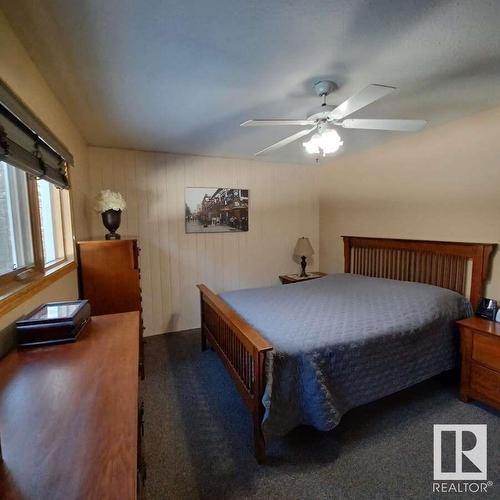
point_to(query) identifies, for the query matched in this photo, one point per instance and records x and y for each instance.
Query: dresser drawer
(485, 382)
(486, 350)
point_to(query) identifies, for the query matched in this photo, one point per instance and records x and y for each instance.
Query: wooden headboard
(439, 263)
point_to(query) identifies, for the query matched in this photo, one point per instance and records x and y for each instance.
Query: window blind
(26, 143)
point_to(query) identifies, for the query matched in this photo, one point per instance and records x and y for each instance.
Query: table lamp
(303, 249)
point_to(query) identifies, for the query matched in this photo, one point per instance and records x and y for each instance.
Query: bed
(308, 352)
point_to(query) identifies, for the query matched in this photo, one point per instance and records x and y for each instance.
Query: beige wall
(21, 74)
(283, 206)
(440, 184)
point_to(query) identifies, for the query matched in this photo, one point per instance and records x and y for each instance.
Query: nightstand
(480, 350)
(296, 278)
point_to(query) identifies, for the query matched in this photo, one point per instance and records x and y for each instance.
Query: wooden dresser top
(68, 415)
(480, 324)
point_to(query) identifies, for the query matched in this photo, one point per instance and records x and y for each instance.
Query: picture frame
(216, 210)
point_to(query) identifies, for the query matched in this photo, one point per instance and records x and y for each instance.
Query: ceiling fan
(325, 118)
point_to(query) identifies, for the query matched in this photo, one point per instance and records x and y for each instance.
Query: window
(31, 223)
(16, 242)
(51, 223)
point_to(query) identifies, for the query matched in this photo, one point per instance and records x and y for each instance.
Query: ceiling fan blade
(369, 94)
(286, 140)
(396, 125)
(259, 123)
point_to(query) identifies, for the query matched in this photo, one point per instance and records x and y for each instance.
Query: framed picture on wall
(216, 210)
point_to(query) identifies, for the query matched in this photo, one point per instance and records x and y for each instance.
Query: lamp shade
(303, 248)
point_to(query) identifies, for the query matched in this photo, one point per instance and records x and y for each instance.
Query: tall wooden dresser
(109, 278)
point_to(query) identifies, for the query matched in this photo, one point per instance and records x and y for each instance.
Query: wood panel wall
(283, 206)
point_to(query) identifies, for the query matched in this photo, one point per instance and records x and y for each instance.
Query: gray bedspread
(345, 340)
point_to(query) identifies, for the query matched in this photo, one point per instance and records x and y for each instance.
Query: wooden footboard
(242, 350)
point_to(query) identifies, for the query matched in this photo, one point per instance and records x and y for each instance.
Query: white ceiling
(180, 76)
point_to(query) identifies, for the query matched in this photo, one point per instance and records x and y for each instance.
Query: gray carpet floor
(198, 441)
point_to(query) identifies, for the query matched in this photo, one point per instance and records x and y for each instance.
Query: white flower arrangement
(109, 200)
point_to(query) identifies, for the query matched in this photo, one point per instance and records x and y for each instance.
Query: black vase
(111, 220)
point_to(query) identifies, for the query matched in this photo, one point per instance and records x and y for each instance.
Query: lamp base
(303, 264)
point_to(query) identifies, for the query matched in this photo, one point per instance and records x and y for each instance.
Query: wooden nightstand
(480, 350)
(295, 278)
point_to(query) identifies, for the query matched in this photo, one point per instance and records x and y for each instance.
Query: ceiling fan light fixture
(312, 145)
(327, 142)
(323, 118)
